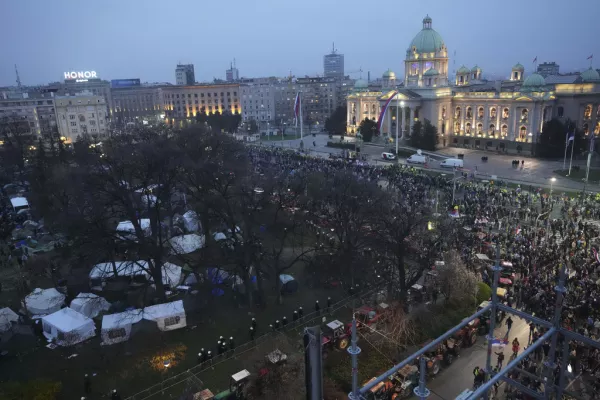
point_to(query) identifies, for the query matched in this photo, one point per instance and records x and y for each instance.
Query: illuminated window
(523, 133)
(469, 113)
(505, 113)
(480, 112)
(493, 112)
(524, 115)
(456, 127)
(586, 129)
(597, 129)
(443, 112)
(479, 128)
(457, 113)
(587, 114)
(468, 128)
(504, 130)
(492, 129)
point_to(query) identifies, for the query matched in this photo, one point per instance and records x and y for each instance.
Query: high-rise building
(232, 74)
(81, 115)
(333, 65)
(184, 74)
(32, 111)
(548, 68)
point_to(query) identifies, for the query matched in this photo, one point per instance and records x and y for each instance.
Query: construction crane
(355, 71)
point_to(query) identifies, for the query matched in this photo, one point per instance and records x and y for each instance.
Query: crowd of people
(539, 234)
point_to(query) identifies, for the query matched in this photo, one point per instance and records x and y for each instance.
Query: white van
(417, 159)
(388, 156)
(452, 163)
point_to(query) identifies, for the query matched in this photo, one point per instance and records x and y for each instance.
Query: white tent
(44, 301)
(190, 221)
(116, 328)
(186, 244)
(19, 203)
(126, 230)
(171, 275)
(68, 327)
(219, 236)
(168, 316)
(123, 268)
(7, 317)
(89, 304)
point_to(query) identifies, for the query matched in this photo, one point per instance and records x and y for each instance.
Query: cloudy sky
(146, 38)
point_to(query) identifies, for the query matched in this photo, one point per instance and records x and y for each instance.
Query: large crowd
(538, 233)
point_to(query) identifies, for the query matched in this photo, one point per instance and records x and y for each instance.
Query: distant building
(258, 103)
(548, 68)
(184, 74)
(333, 65)
(136, 104)
(232, 74)
(95, 86)
(81, 115)
(181, 103)
(33, 111)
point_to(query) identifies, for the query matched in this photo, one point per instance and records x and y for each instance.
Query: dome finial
(427, 22)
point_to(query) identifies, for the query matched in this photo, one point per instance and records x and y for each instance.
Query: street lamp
(552, 180)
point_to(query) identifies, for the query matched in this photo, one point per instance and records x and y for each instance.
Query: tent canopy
(165, 310)
(171, 274)
(19, 202)
(7, 317)
(124, 268)
(89, 304)
(186, 244)
(44, 301)
(119, 320)
(190, 221)
(68, 327)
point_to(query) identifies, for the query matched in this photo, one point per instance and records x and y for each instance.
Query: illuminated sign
(81, 76)
(122, 83)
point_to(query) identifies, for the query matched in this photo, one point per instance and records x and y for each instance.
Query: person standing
(509, 323)
(500, 359)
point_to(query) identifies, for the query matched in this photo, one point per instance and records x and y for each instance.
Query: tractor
(335, 336)
(371, 317)
(237, 385)
(404, 381)
(434, 358)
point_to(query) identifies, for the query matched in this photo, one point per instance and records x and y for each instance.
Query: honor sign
(81, 76)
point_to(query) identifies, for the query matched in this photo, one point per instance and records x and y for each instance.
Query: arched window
(523, 133)
(493, 112)
(505, 113)
(504, 130)
(480, 112)
(457, 113)
(492, 129)
(587, 114)
(366, 108)
(586, 129)
(456, 127)
(443, 112)
(597, 129)
(598, 112)
(560, 111)
(524, 115)
(479, 128)
(468, 128)
(443, 128)
(373, 109)
(469, 113)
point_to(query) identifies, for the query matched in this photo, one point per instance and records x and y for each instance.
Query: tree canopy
(368, 128)
(336, 123)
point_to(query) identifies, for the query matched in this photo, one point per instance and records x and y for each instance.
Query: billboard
(122, 83)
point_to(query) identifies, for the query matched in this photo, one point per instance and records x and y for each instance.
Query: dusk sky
(146, 39)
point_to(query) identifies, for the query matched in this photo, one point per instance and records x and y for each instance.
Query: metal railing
(307, 320)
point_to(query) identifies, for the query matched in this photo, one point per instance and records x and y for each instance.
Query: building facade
(232, 74)
(258, 103)
(185, 102)
(333, 65)
(184, 74)
(136, 104)
(548, 68)
(470, 111)
(81, 115)
(32, 112)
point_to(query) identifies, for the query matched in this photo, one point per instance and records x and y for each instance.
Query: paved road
(451, 381)
(536, 172)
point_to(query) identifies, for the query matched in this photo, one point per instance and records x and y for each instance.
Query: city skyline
(117, 44)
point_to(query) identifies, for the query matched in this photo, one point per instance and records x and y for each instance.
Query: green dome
(463, 70)
(590, 75)
(475, 69)
(361, 84)
(519, 66)
(389, 74)
(428, 40)
(534, 80)
(431, 71)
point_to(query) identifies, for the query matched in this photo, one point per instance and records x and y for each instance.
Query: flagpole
(300, 116)
(565, 158)
(571, 161)
(397, 123)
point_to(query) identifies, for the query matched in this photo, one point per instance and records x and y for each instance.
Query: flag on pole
(590, 57)
(535, 59)
(570, 137)
(499, 342)
(383, 110)
(592, 143)
(297, 108)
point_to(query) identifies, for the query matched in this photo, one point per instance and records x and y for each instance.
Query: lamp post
(552, 180)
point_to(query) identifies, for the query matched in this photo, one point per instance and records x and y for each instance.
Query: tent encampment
(44, 301)
(116, 328)
(288, 283)
(186, 244)
(171, 273)
(68, 327)
(89, 304)
(190, 221)
(168, 316)
(7, 318)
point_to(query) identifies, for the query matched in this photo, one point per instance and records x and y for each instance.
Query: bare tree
(457, 282)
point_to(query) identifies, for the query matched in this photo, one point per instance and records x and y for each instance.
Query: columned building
(468, 110)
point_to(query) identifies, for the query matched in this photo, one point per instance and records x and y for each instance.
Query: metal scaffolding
(554, 330)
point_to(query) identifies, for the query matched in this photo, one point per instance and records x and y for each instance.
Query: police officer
(115, 395)
(254, 323)
(329, 304)
(201, 356)
(301, 312)
(277, 325)
(317, 307)
(252, 333)
(87, 384)
(210, 355)
(295, 317)
(231, 343)
(284, 321)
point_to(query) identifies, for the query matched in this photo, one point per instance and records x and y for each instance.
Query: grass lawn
(274, 138)
(579, 175)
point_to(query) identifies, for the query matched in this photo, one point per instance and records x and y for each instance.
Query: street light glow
(552, 179)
